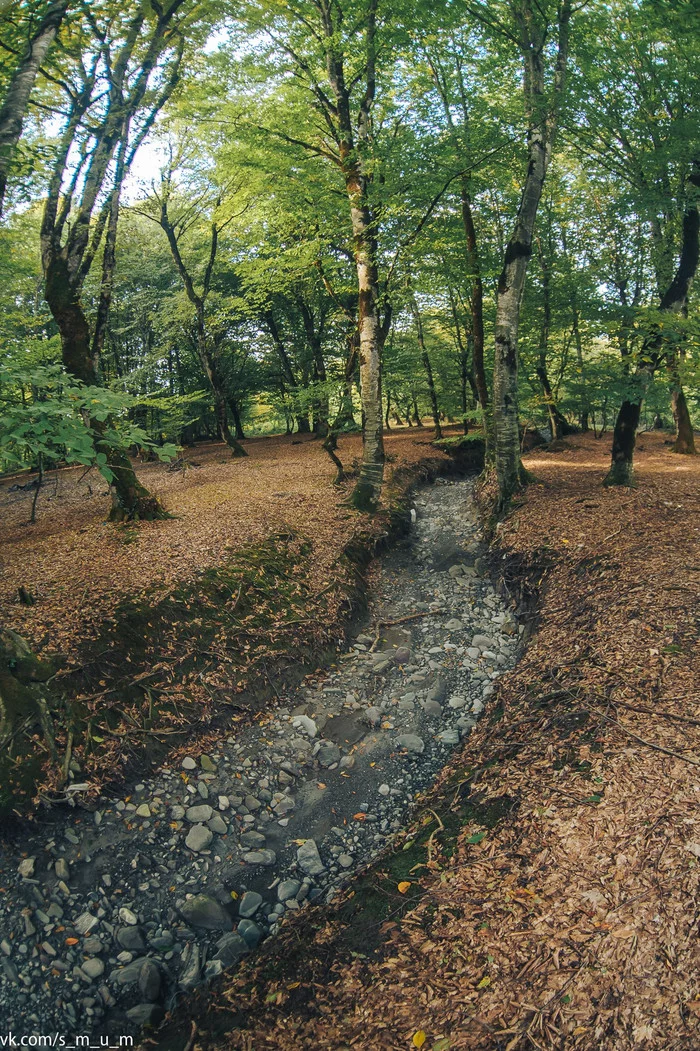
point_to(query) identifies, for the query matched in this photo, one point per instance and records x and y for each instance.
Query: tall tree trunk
(16, 101)
(237, 423)
(211, 372)
(674, 301)
(302, 419)
(130, 499)
(369, 484)
(541, 128)
(425, 358)
(685, 438)
(476, 303)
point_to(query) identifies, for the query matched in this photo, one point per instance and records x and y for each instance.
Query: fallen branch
(401, 620)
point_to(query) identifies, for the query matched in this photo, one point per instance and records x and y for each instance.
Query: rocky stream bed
(107, 915)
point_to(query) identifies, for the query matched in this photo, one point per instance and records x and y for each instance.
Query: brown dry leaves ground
(153, 649)
(78, 566)
(573, 923)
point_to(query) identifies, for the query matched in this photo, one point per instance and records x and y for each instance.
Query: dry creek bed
(108, 915)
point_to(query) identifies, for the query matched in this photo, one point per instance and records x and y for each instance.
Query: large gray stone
(204, 911)
(230, 948)
(149, 980)
(249, 904)
(412, 743)
(199, 838)
(328, 754)
(309, 859)
(197, 814)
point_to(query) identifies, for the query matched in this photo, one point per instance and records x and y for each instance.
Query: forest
(349, 371)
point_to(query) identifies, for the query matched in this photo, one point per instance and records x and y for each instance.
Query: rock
(454, 625)
(224, 803)
(149, 980)
(381, 666)
(250, 932)
(207, 764)
(432, 708)
(26, 868)
(306, 725)
(188, 763)
(86, 922)
(411, 743)
(372, 717)
(93, 945)
(510, 625)
(218, 825)
(92, 969)
(199, 838)
(328, 754)
(131, 938)
(191, 964)
(197, 814)
(128, 975)
(477, 707)
(252, 839)
(62, 869)
(230, 948)
(146, 1014)
(483, 642)
(449, 736)
(205, 911)
(384, 790)
(260, 857)
(456, 570)
(128, 917)
(402, 655)
(346, 762)
(309, 859)
(249, 904)
(346, 861)
(212, 969)
(288, 888)
(438, 691)
(457, 702)
(143, 811)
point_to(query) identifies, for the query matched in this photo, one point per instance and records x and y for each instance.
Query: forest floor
(556, 900)
(156, 631)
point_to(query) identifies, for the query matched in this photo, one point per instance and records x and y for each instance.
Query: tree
(175, 227)
(19, 90)
(112, 89)
(543, 90)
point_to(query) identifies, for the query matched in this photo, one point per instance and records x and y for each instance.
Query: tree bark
(16, 101)
(425, 358)
(198, 301)
(674, 301)
(542, 113)
(302, 420)
(685, 438)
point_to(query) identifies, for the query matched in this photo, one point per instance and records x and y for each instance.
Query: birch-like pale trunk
(369, 484)
(15, 105)
(542, 109)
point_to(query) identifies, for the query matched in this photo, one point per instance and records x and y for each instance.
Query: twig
(649, 744)
(429, 844)
(652, 711)
(401, 620)
(193, 1036)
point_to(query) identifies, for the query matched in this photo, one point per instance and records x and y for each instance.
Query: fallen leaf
(403, 886)
(419, 1038)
